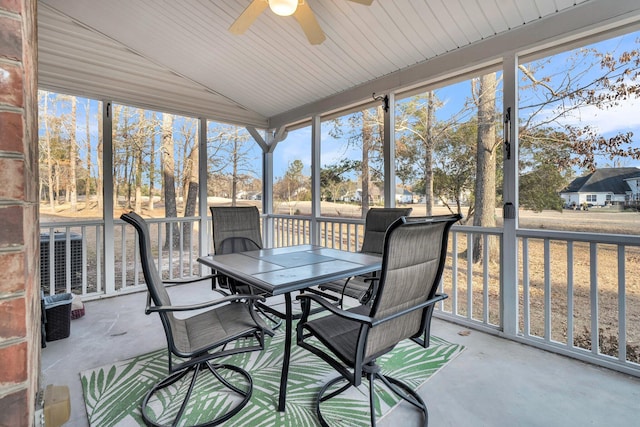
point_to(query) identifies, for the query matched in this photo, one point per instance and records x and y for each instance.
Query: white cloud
(621, 118)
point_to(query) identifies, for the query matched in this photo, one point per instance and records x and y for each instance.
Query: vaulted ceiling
(178, 56)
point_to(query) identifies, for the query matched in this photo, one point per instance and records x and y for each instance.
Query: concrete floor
(494, 382)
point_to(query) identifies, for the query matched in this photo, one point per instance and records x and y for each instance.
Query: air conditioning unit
(59, 255)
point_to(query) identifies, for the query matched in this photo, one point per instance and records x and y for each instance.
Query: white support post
(203, 205)
(509, 261)
(107, 199)
(268, 147)
(267, 197)
(315, 179)
(267, 179)
(389, 152)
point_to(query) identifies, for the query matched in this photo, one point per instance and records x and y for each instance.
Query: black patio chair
(237, 229)
(201, 338)
(413, 259)
(376, 223)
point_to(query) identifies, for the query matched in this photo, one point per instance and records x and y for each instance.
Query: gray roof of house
(605, 180)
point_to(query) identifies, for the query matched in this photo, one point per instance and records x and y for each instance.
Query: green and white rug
(113, 393)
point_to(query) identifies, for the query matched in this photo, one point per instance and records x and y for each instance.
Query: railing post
(315, 179)
(509, 255)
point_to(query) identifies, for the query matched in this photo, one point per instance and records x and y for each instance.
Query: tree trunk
(234, 175)
(87, 185)
(73, 155)
(138, 145)
(428, 156)
(128, 170)
(99, 153)
(192, 195)
(485, 191)
(168, 180)
(367, 135)
(152, 171)
(47, 138)
(138, 178)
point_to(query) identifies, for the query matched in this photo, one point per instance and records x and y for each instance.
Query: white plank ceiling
(178, 55)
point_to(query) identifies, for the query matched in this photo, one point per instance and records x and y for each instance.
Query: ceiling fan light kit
(283, 7)
(299, 9)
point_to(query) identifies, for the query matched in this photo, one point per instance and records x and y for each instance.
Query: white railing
(566, 301)
(76, 255)
(574, 289)
(577, 289)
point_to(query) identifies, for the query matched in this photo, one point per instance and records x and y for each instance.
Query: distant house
(403, 195)
(606, 186)
(375, 195)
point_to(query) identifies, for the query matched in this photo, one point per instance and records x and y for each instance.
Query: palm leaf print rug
(113, 393)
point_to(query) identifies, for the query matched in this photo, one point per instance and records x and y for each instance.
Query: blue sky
(297, 145)
(621, 118)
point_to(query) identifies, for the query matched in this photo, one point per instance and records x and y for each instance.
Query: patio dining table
(281, 271)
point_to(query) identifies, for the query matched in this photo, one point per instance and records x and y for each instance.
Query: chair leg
(322, 398)
(424, 341)
(397, 387)
(405, 392)
(245, 394)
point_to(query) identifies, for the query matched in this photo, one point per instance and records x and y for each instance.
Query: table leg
(287, 351)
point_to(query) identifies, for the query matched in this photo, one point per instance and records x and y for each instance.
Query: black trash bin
(57, 316)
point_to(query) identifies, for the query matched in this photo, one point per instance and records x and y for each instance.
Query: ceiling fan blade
(246, 18)
(307, 20)
(365, 2)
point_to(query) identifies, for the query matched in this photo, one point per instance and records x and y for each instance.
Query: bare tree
(192, 193)
(485, 189)
(99, 154)
(73, 155)
(47, 140)
(87, 185)
(367, 143)
(231, 156)
(152, 172)
(168, 180)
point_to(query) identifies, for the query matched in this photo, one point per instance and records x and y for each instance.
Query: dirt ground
(594, 220)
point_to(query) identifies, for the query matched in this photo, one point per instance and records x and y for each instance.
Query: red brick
(11, 85)
(12, 323)
(14, 364)
(10, 39)
(11, 227)
(13, 272)
(12, 409)
(12, 179)
(14, 6)
(11, 132)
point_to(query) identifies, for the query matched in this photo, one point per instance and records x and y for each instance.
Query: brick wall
(19, 226)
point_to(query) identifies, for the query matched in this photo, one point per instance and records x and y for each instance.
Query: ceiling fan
(298, 8)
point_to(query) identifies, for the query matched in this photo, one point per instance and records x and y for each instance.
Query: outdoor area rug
(113, 393)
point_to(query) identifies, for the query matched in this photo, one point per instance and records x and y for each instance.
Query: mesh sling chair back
(237, 229)
(199, 339)
(413, 259)
(376, 223)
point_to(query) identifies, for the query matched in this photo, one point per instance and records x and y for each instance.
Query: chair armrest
(335, 310)
(427, 303)
(171, 308)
